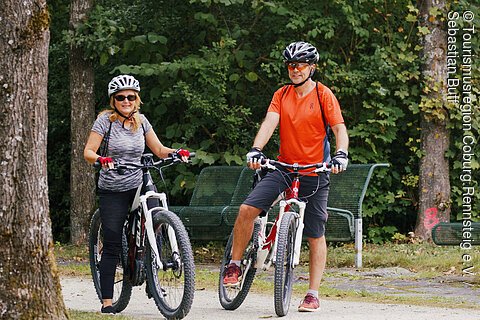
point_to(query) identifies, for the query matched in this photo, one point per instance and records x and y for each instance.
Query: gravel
(79, 294)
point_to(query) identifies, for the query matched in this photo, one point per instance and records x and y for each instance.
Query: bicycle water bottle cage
(147, 159)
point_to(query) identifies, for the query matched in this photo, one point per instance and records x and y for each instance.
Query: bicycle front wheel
(172, 286)
(122, 288)
(284, 264)
(232, 297)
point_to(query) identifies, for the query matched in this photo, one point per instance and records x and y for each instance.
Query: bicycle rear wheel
(173, 286)
(232, 297)
(284, 264)
(122, 288)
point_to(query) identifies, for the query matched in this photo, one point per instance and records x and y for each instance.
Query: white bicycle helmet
(123, 82)
(300, 52)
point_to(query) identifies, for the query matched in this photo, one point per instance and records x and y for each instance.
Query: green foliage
(464, 121)
(99, 35)
(208, 69)
(380, 235)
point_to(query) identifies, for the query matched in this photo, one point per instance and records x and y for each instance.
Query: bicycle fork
(299, 230)
(149, 224)
(291, 196)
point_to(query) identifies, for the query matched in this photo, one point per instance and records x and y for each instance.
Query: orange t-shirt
(303, 137)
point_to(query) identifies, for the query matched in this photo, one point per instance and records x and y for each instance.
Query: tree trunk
(82, 100)
(29, 283)
(434, 184)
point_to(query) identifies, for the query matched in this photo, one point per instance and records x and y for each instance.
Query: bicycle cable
(287, 173)
(161, 173)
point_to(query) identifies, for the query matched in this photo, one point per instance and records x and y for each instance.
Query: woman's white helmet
(123, 82)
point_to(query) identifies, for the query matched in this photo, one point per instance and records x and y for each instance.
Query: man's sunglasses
(130, 97)
(296, 65)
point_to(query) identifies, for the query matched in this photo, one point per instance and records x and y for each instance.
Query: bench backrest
(348, 188)
(244, 186)
(215, 186)
(446, 233)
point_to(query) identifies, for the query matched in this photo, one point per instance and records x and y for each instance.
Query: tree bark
(29, 282)
(434, 180)
(82, 99)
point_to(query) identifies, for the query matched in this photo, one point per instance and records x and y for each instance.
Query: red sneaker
(232, 275)
(309, 304)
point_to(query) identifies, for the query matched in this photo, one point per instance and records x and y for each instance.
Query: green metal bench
(214, 189)
(345, 199)
(452, 234)
(230, 185)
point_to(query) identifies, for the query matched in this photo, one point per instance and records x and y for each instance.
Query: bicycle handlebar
(149, 163)
(319, 167)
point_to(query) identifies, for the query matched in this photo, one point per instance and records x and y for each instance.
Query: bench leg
(358, 243)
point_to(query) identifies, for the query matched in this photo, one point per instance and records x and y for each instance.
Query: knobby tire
(122, 286)
(172, 288)
(284, 264)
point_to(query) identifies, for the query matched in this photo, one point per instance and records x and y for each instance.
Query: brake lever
(326, 167)
(268, 165)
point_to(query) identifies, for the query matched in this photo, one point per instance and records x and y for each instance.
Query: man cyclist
(303, 109)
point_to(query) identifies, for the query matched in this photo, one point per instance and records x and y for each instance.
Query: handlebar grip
(97, 165)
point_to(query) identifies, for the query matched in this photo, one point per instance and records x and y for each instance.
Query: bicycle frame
(141, 202)
(268, 245)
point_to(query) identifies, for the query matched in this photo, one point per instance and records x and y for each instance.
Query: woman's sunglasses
(130, 97)
(295, 65)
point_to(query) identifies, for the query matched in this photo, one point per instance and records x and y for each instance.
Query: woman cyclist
(124, 132)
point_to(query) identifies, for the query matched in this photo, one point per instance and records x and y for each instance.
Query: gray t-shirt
(124, 145)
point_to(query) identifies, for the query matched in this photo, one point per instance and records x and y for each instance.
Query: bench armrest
(340, 225)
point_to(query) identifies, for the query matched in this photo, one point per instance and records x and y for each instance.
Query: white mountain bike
(155, 248)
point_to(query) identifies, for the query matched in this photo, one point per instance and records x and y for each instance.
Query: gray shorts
(313, 190)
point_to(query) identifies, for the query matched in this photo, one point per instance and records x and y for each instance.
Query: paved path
(79, 294)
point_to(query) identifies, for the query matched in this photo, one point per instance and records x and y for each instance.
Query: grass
(425, 261)
(81, 315)
(72, 260)
(424, 258)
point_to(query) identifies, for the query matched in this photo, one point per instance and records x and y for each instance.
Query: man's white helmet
(300, 52)
(123, 82)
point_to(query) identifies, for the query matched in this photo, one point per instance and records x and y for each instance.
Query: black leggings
(114, 208)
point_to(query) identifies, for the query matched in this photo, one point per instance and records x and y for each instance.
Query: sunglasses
(130, 97)
(295, 65)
